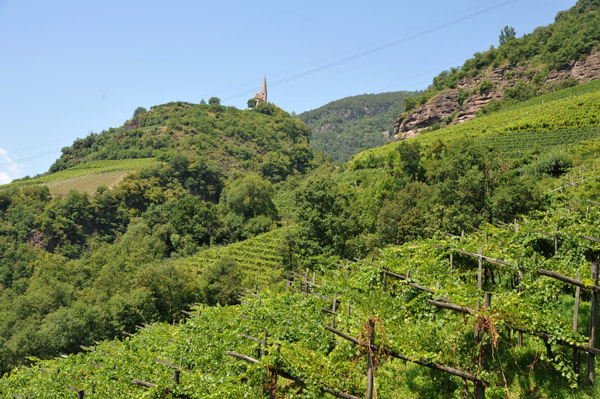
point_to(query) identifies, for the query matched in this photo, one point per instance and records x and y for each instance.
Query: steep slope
(540, 124)
(344, 127)
(556, 56)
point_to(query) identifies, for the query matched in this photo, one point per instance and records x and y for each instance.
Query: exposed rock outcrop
(446, 103)
(436, 110)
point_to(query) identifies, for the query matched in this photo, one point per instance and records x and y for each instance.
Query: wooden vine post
(370, 331)
(479, 268)
(576, 358)
(593, 319)
(479, 387)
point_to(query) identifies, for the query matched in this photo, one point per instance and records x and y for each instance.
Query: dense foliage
(265, 140)
(405, 323)
(345, 127)
(82, 267)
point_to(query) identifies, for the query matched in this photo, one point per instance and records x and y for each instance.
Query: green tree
(410, 103)
(326, 218)
(405, 217)
(220, 282)
(214, 101)
(507, 33)
(248, 207)
(139, 111)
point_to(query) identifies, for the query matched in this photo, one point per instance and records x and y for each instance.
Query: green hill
(540, 124)
(264, 140)
(550, 58)
(345, 127)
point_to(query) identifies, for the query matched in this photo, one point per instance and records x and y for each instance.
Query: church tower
(263, 91)
(262, 96)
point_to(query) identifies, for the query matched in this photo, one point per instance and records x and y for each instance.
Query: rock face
(446, 103)
(436, 110)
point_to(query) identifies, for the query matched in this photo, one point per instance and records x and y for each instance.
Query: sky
(71, 67)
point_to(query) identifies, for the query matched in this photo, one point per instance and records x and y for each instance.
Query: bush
(554, 164)
(485, 87)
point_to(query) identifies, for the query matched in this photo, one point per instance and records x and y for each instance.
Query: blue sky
(68, 68)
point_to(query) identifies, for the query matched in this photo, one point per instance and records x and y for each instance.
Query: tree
(409, 103)
(507, 33)
(220, 282)
(139, 111)
(248, 207)
(214, 101)
(325, 218)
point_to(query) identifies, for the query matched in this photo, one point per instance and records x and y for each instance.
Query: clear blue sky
(70, 67)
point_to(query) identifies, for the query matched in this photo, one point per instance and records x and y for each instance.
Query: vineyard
(259, 258)
(87, 177)
(503, 311)
(552, 120)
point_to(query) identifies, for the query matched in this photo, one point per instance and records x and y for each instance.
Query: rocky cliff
(481, 89)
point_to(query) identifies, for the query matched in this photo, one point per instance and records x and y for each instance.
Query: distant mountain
(550, 58)
(345, 127)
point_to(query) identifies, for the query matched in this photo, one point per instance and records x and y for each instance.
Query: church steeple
(262, 96)
(263, 91)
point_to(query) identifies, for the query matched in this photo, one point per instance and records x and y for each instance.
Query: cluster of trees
(81, 268)
(445, 187)
(345, 127)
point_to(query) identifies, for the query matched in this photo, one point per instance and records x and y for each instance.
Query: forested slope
(345, 127)
(89, 263)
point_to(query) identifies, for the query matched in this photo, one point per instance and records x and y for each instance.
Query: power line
(375, 49)
(322, 67)
(32, 157)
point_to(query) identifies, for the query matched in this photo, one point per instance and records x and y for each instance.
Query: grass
(86, 177)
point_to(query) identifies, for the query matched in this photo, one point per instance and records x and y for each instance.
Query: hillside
(345, 127)
(205, 252)
(103, 241)
(551, 121)
(552, 57)
(320, 334)
(265, 140)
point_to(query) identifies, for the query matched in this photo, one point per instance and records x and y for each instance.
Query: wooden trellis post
(593, 319)
(575, 322)
(479, 387)
(479, 268)
(591, 360)
(370, 382)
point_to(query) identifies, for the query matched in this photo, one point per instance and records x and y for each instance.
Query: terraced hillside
(259, 257)
(549, 121)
